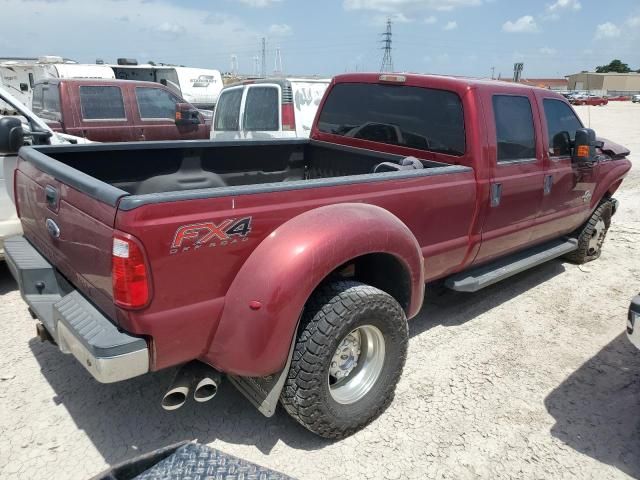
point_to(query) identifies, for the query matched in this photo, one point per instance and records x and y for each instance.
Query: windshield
(414, 117)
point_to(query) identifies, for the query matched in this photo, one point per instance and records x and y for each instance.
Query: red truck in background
(292, 266)
(105, 110)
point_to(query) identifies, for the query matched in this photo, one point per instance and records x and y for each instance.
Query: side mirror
(584, 147)
(186, 114)
(11, 135)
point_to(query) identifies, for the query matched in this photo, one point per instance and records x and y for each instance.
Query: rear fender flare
(264, 302)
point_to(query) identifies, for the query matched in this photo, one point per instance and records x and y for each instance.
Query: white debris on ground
(530, 378)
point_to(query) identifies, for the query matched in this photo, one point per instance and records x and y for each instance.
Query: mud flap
(264, 392)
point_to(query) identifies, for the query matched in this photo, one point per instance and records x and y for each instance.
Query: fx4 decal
(210, 234)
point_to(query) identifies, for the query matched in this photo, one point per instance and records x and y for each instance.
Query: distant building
(548, 83)
(609, 83)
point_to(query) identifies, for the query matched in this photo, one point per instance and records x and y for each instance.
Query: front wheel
(592, 234)
(348, 358)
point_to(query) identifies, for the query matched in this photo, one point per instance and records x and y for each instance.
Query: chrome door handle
(496, 194)
(548, 184)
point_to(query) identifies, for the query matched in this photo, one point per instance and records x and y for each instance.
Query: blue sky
(463, 37)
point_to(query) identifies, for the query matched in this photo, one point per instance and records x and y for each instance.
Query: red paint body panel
(132, 128)
(434, 225)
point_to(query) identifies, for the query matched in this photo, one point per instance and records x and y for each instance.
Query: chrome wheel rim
(596, 240)
(356, 364)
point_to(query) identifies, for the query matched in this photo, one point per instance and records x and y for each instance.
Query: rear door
(101, 113)
(516, 187)
(154, 116)
(226, 119)
(262, 113)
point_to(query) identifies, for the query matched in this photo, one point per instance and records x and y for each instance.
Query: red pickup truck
(292, 266)
(104, 110)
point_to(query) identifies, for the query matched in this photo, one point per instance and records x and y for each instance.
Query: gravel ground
(530, 378)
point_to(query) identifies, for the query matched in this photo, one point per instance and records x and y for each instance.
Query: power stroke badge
(210, 234)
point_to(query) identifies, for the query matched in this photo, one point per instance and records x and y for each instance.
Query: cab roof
(434, 81)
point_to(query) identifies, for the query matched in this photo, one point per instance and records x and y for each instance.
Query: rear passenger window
(562, 124)
(514, 128)
(46, 102)
(156, 103)
(227, 116)
(261, 109)
(102, 103)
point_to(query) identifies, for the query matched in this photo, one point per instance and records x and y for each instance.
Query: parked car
(618, 98)
(590, 99)
(635, 99)
(104, 110)
(292, 266)
(267, 108)
(633, 321)
(35, 132)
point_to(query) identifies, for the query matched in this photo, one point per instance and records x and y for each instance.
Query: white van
(268, 108)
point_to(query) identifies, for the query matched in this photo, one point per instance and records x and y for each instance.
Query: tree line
(615, 66)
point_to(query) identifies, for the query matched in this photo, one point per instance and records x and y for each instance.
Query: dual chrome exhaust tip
(195, 377)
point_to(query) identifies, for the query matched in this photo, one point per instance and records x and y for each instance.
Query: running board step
(485, 275)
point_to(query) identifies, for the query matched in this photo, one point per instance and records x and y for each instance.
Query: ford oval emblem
(52, 228)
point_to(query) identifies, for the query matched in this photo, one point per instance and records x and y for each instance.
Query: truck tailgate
(70, 228)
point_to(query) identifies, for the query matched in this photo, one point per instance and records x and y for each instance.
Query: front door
(516, 186)
(568, 189)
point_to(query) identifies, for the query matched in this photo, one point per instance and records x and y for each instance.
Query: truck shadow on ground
(597, 408)
(449, 309)
(7, 283)
(125, 419)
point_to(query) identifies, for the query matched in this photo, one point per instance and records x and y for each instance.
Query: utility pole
(256, 66)
(387, 60)
(264, 57)
(493, 73)
(277, 70)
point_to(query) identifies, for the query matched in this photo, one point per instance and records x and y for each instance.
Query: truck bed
(201, 169)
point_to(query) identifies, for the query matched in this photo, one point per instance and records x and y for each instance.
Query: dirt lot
(531, 378)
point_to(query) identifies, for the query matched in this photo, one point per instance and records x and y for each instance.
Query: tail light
(129, 273)
(288, 117)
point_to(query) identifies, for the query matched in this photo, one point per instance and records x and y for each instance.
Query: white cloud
(168, 27)
(634, 21)
(405, 6)
(450, 26)
(259, 3)
(607, 30)
(161, 31)
(430, 20)
(548, 51)
(280, 29)
(525, 24)
(564, 5)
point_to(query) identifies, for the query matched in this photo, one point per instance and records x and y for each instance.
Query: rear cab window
(227, 114)
(156, 103)
(515, 130)
(101, 103)
(46, 102)
(562, 124)
(413, 117)
(262, 109)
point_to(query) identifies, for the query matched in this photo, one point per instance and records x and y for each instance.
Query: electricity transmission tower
(387, 60)
(234, 65)
(256, 66)
(277, 70)
(264, 57)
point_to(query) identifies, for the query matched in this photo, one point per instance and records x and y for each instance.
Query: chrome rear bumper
(78, 327)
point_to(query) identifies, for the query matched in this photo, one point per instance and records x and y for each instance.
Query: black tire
(586, 253)
(334, 310)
